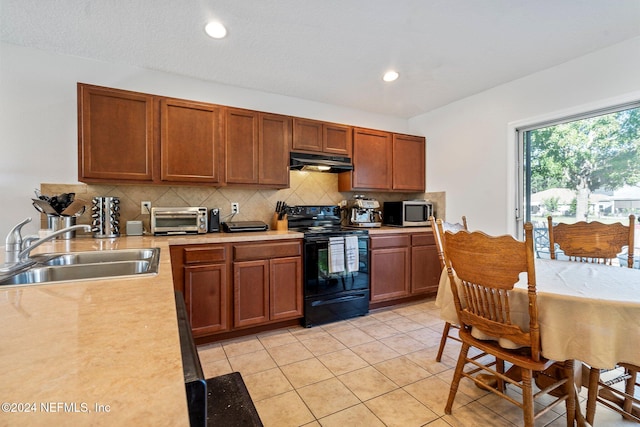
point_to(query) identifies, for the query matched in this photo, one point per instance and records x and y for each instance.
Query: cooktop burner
(318, 219)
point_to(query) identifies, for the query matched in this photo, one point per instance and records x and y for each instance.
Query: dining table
(586, 312)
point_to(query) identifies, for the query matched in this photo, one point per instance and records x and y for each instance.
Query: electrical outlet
(145, 208)
(235, 208)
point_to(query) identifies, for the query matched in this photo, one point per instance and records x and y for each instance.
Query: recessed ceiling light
(215, 30)
(390, 76)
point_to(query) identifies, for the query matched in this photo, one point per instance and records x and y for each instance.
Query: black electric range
(336, 264)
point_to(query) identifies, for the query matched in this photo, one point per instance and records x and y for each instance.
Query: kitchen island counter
(98, 352)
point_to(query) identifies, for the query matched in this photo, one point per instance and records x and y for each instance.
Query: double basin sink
(89, 265)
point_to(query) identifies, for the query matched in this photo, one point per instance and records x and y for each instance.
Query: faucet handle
(14, 235)
(14, 241)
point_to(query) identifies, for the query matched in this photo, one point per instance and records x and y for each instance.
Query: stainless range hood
(319, 163)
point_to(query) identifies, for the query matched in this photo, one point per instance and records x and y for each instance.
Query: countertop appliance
(408, 213)
(362, 212)
(178, 220)
(335, 264)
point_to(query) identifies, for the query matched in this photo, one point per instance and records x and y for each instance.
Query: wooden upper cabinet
(257, 148)
(116, 139)
(191, 142)
(241, 143)
(337, 139)
(372, 162)
(408, 163)
(274, 145)
(320, 137)
(307, 135)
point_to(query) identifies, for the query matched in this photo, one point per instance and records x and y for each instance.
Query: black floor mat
(229, 403)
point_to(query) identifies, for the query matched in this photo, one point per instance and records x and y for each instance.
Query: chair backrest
(482, 271)
(439, 227)
(592, 241)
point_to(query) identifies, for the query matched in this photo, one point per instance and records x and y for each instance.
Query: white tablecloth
(587, 312)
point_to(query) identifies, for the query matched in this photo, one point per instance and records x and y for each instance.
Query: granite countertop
(99, 352)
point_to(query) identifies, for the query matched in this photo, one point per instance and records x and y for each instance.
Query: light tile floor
(375, 370)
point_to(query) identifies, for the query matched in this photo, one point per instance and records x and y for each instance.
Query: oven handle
(339, 299)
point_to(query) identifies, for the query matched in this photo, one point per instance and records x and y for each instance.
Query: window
(581, 168)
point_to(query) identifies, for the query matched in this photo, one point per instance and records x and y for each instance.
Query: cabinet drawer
(266, 250)
(393, 241)
(208, 254)
(423, 239)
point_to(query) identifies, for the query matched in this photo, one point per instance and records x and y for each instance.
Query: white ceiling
(331, 51)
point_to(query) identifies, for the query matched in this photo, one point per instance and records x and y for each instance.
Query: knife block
(279, 224)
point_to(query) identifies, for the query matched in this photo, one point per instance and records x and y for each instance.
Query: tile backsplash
(306, 188)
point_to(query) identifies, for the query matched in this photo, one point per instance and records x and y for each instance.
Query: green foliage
(551, 204)
(598, 152)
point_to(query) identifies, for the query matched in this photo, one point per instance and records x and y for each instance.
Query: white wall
(471, 143)
(38, 117)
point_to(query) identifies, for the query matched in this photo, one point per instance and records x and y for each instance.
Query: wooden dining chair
(439, 227)
(592, 241)
(482, 271)
(601, 243)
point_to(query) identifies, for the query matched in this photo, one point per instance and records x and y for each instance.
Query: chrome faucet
(23, 256)
(17, 248)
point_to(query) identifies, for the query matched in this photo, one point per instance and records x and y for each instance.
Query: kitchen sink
(90, 265)
(93, 257)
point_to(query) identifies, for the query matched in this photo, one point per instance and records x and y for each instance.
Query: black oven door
(342, 294)
(320, 282)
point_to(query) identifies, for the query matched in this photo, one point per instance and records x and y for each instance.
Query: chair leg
(443, 340)
(572, 392)
(457, 375)
(629, 389)
(527, 398)
(594, 377)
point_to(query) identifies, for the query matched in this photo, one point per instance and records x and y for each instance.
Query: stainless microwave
(407, 213)
(172, 220)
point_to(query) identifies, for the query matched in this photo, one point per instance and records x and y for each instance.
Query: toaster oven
(174, 220)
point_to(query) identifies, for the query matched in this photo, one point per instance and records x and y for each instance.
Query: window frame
(519, 130)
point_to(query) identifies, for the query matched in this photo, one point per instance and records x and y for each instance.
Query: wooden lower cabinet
(285, 288)
(267, 290)
(390, 266)
(238, 286)
(250, 293)
(403, 265)
(200, 272)
(206, 298)
(425, 265)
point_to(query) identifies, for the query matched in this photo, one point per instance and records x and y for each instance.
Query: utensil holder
(105, 212)
(58, 222)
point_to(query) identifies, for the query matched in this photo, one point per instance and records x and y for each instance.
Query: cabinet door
(206, 298)
(241, 144)
(408, 163)
(191, 142)
(307, 135)
(372, 161)
(274, 144)
(390, 270)
(425, 269)
(337, 139)
(251, 292)
(116, 137)
(285, 296)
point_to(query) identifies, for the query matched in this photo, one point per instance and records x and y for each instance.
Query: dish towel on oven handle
(336, 254)
(351, 253)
